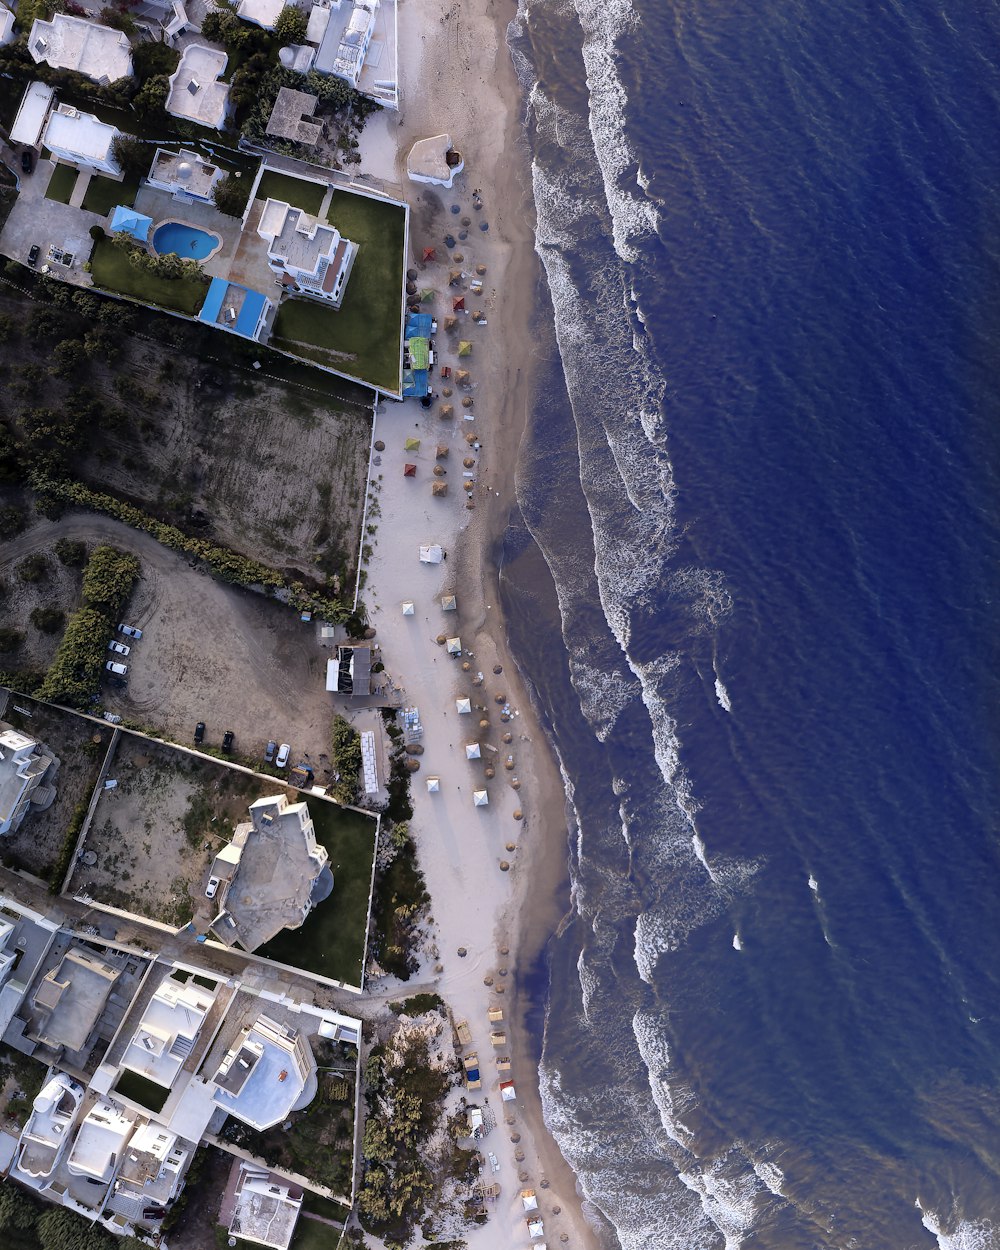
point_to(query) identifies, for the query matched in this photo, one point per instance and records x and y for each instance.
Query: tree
(60, 1229)
(290, 26)
(48, 620)
(69, 358)
(10, 639)
(132, 155)
(16, 1210)
(71, 552)
(152, 97)
(229, 196)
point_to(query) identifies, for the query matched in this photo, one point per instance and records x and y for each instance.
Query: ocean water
(754, 582)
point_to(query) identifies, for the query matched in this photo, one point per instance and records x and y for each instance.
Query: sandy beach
(496, 873)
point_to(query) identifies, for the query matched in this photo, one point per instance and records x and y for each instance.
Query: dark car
(33, 253)
(228, 738)
(27, 161)
(199, 733)
(269, 751)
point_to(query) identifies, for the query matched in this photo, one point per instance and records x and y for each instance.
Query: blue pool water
(186, 241)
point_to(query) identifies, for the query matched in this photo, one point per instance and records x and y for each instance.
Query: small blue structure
(229, 306)
(131, 222)
(416, 343)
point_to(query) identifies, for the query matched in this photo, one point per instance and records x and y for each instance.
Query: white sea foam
(604, 694)
(722, 694)
(737, 942)
(813, 884)
(964, 1235)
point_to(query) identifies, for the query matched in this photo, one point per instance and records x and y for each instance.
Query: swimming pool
(187, 241)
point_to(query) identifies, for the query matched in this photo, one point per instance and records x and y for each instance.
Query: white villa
(153, 1166)
(195, 91)
(186, 175)
(168, 1031)
(6, 26)
(266, 1208)
(268, 1073)
(310, 258)
(47, 1132)
(99, 1143)
(82, 139)
(261, 12)
(23, 765)
(103, 54)
(343, 48)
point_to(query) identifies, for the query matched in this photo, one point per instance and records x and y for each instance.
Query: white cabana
(432, 554)
(529, 1200)
(408, 608)
(480, 798)
(463, 706)
(454, 646)
(449, 603)
(433, 785)
(472, 751)
(535, 1227)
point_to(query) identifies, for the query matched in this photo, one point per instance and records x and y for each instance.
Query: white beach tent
(454, 646)
(528, 1200)
(535, 1226)
(463, 706)
(472, 751)
(449, 603)
(433, 785)
(432, 554)
(480, 798)
(408, 608)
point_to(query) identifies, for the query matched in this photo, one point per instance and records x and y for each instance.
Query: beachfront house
(345, 44)
(236, 309)
(24, 763)
(267, 1074)
(187, 176)
(82, 139)
(265, 1208)
(196, 94)
(309, 257)
(167, 1033)
(98, 52)
(290, 117)
(7, 34)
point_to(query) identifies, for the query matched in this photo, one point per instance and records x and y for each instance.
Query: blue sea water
(754, 582)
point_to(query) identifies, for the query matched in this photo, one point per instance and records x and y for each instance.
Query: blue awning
(127, 220)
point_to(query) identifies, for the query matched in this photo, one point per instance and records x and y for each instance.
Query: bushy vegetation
(400, 900)
(230, 196)
(61, 866)
(345, 755)
(76, 670)
(346, 108)
(229, 565)
(417, 1005)
(48, 620)
(290, 26)
(169, 265)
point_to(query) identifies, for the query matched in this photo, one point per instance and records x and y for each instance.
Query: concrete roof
(427, 161)
(6, 25)
(31, 114)
(302, 242)
(185, 171)
(100, 1142)
(99, 52)
(260, 12)
(47, 1131)
(287, 117)
(195, 92)
(266, 1208)
(79, 133)
(71, 996)
(262, 1077)
(166, 1033)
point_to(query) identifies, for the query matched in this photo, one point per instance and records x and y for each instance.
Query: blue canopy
(131, 222)
(248, 316)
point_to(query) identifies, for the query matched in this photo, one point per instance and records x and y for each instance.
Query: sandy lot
(81, 747)
(155, 835)
(209, 651)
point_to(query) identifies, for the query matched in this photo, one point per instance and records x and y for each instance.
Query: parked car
(130, 631)
(228, 738)
(284, 751)
(27, 160)
(118, 648)
(113, 667)
(33, 254)
(213, 885)
(269, 751)
(199, 733)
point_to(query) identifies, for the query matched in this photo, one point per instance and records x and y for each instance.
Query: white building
(195, 91)
(82, 139)
(23, 765)
(98, 52)
(32, 113)
(260, 12)
(168, 1031)
(100, 1143)
(153, 1166)
(6, 26)
(311, 258)
(343, 48)
(186, 175)
(265, 1209)
(267, 1074)
(47, 1132)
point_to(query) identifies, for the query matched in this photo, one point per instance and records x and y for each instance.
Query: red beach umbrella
(409, 470)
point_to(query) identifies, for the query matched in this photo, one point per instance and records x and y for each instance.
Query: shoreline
(462, 81)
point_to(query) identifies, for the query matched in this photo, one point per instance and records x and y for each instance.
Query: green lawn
(362, 338)
(140, 1089)
(305, 195)
(314, 1235)
(104, 194)
(61, 183)
(112, 272)
(332, 940)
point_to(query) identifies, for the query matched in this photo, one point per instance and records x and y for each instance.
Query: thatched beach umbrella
(439, 489)
(480, 269)
(469, 504)
(446, 391)
(450, 322)
(467, 402)
(446, 411)
(467, 486)
(469, 462)
(462, 376)
(458, 258)
(470, 437)
(438, 471)
(442, 451)
(454, 277)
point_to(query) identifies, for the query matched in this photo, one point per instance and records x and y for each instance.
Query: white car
(494, 1162)
(213, 885)
(119, 669)
(130, 631)
(118, 648)
(284, 751)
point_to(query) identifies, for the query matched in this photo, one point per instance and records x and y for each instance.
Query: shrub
(48, 620)
(108, 581)
(16, 1209)
(346, 759)
(12, 521)
(71, 552)
(33, 568)
(229, 196)
(290, 26)
(10, 639)
(132, 155)
(60, 868)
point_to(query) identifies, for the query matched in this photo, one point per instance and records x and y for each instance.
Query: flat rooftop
(299, 240)
(195, 92)
(31, 114)
(289, 117)
(69, 999)
(185, 171)
(260, 12)
(80, 134)
(67, 42)
(265, 1080)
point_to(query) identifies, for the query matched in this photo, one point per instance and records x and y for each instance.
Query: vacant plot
(155, 835)
(104, 194)
(295, 191)
(363, 337)
(113, 271)
(80, 745)
(332, 940)
(61, 184)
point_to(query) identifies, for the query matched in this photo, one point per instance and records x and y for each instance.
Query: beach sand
(456, 76)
